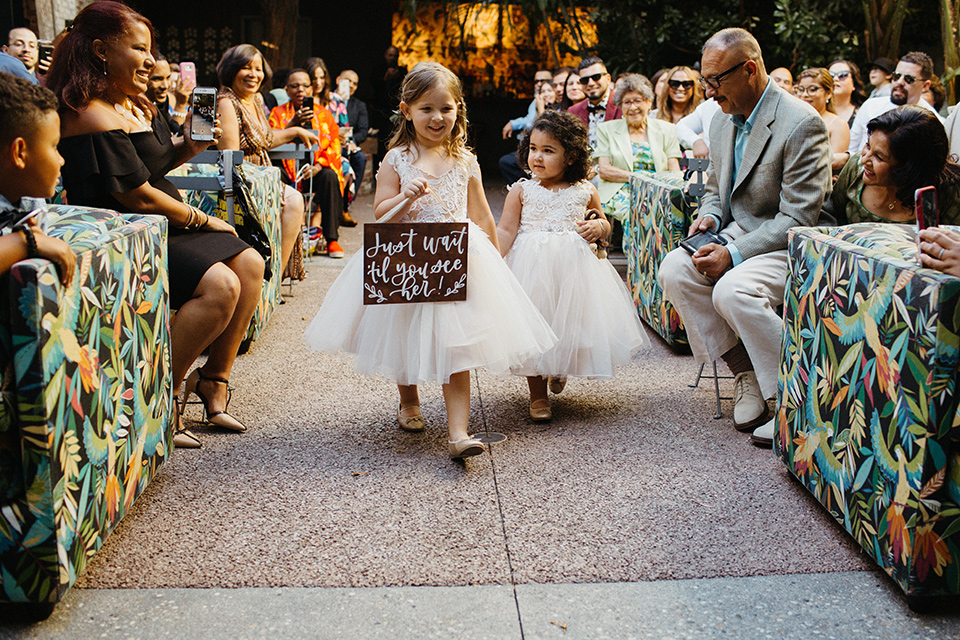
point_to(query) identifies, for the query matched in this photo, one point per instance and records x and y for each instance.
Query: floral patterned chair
(867, 407)
(655, 228)
(84, 417)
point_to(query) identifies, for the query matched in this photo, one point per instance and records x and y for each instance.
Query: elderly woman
(906, 149)
(117, 151)
(246, 128)
(634, 143)
(680, 95)
(815, 87)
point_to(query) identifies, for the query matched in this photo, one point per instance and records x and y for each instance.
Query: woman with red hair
(117, 152)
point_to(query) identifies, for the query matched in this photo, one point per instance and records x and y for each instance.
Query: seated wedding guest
(22, 44)
(658, 81)
(848, 92)
(598, 107)
(546, 98)
(559, 80)
(117, 153)
(509, 168)
(324, 165)
(879, 73)
(277, 95)
(160, 90)
(906, 149)
(358, 127)
(783, 78)
(815, 87)
(910, 80)
(29, 168)
(243, 117)
(694, 130)
(572, 91)
(325, 97)
(936, 94)
(636, 142)
(681, 95)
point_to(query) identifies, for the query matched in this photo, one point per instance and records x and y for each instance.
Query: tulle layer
(496, 327)
(584, 301)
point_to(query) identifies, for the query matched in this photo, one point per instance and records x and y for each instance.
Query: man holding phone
(769, 171)
(22, 44)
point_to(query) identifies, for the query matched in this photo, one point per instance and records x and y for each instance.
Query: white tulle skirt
(497, 327)
(584, 301)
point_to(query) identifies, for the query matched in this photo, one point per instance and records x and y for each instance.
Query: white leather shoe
(749, 408)
(763, 436)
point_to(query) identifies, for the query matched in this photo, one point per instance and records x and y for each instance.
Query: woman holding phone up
(117, 152)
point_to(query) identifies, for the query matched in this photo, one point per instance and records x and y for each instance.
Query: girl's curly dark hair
(572, 136)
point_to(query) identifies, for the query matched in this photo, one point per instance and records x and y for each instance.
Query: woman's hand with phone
(200, 145)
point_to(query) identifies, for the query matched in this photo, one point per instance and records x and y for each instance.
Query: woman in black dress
(116, 154)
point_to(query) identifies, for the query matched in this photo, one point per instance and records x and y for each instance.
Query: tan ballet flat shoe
(540, 411)
(414, 423)
(556, 384)
(465, 448)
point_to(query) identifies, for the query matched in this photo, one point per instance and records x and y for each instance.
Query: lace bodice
(450, 189)
(553, 211)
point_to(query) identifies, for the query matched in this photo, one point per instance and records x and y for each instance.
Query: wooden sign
(414, 262)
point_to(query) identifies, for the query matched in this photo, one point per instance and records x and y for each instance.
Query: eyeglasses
(713, 82)
(840, 75)
(806, 91)
(595, 77)
(686, 85)
(633, 102)
(907, 79)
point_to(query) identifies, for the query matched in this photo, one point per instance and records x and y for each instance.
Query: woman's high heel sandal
(220, 419)
(182, 438)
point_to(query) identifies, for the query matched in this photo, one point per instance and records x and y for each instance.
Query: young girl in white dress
(544, 236)
(430, 169)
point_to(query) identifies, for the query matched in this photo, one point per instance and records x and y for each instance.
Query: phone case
(701, 238)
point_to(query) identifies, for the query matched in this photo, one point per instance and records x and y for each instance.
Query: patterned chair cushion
(867, 402)
(86, 376)
(655, 227)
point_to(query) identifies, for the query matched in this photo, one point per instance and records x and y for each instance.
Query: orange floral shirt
(329, 133)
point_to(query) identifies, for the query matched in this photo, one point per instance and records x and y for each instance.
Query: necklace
(132, 114)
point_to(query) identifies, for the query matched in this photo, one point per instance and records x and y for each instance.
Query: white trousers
(743, 302)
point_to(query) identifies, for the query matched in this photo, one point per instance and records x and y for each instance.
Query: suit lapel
(759, 136)
(623, 143)
(728, 135)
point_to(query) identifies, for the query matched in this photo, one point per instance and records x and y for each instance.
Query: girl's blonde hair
(424, 77)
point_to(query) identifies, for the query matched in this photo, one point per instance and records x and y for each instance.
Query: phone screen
(343, 89)
(307, 102)
(204, 114)
(45, 51)
(925, 202)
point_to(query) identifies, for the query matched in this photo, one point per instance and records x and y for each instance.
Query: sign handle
(393, 212)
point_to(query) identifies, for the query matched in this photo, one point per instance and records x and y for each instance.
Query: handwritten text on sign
(414, 262)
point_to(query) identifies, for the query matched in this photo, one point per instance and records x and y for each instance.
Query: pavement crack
(503, 521)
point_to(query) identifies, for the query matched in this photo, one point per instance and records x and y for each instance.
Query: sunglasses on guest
(906, 78)
(595, 77)
(840, 75)
(686, 85)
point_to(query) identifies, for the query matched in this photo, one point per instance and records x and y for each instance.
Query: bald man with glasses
(769, 171)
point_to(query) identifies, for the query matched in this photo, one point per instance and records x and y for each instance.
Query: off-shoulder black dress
(98, 165)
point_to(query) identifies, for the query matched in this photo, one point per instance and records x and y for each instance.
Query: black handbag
(246, 221)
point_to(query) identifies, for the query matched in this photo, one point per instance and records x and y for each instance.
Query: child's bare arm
(597, 229)
(509, 223)
(13, 249)
(389, 194)
(479, 210)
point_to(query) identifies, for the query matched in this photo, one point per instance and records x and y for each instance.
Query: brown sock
(738, 360)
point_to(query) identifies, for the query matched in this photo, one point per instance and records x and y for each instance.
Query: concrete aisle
(633, 514)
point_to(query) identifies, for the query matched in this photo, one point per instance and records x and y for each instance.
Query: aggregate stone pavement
(633, 482)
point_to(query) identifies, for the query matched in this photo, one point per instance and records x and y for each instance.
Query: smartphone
(188, 74)
(700, 239)
(204, 113)
(307, 103)
(343, 89)
(925, 203)
(45, 53)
